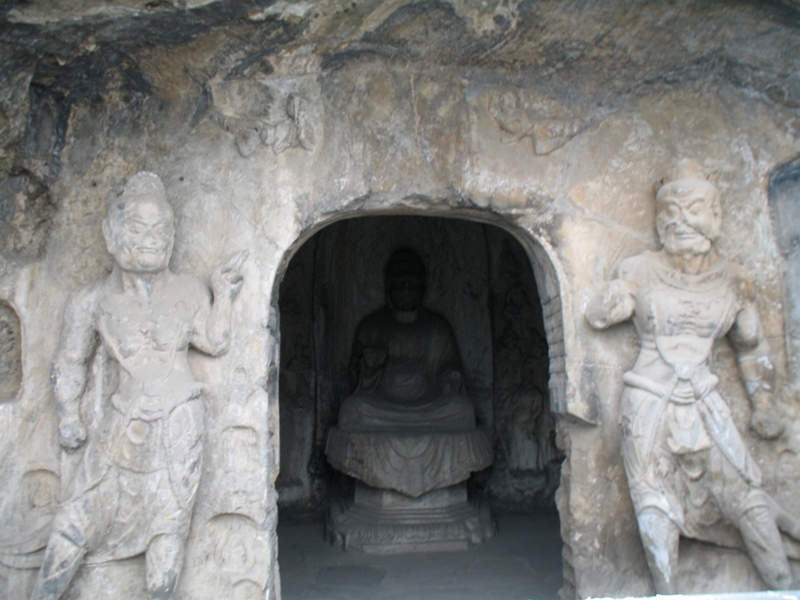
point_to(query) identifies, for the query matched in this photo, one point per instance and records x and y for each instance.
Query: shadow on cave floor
(523, 561)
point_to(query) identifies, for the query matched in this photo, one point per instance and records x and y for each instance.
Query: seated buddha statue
(405, 363)
(407, 433)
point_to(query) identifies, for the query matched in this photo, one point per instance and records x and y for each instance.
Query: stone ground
(522, 562)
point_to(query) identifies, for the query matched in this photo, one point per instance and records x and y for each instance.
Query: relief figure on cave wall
(689, 470)
(134, 489)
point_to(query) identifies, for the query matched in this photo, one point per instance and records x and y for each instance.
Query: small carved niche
(10, 353)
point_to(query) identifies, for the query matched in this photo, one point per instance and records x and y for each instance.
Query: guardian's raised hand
(227, 278)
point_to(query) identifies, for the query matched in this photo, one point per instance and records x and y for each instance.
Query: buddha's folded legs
(453, 412)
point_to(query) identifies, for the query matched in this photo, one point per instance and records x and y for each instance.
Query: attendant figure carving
(134, 490)
(689, 470)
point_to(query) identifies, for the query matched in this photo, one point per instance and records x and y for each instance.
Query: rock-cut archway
(497, 286)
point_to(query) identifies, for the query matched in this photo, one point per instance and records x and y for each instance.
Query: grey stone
(548, 120)
(355, 575)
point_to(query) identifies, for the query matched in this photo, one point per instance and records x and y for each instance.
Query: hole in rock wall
(480, 279)
(10, 354)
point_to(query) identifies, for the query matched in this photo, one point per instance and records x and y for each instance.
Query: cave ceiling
(583, 53)
(604, 44)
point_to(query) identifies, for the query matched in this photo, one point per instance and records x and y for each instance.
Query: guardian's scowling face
(688, 216)
(141, 238)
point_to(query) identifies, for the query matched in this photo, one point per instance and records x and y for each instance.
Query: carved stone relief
(527, 462)
(34, 501)
(416, 100)
(238, 553)
(30, 495)
(689, 469)
(259, 113)
(133, 490)
(243, 454)
(408, 433)
(526, 115)
(297, 380)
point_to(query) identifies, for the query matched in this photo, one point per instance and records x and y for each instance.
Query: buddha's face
(141, 240)
(405, 292)
(688, 216)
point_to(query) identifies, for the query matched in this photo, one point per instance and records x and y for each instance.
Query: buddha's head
(139, 227)
(405, 280)
(688, 210)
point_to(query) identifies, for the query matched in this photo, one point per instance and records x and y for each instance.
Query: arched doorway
(495, 287)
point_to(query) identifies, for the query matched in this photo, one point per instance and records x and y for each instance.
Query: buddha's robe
(416, 382)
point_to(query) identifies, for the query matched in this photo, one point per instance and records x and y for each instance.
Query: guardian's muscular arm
(70, 368)
(613, 305)
(758, 373)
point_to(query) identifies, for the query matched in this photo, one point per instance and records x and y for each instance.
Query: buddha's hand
(767, 423)
(72, 432)
(227, 279)
(450, 381)
(374, 357)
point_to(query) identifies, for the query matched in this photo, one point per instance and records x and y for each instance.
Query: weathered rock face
(270, 121)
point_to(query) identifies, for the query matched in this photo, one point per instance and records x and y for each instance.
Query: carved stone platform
(387, 522)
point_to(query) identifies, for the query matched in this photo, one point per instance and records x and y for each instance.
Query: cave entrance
(494, 293)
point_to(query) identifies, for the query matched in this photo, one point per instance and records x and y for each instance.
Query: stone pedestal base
(388, 522)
